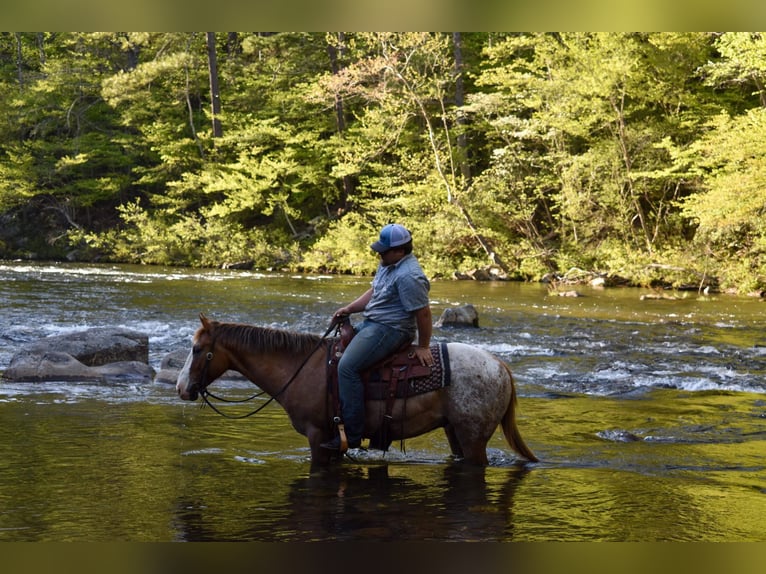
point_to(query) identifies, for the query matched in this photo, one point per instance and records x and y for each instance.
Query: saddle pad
(414, 379)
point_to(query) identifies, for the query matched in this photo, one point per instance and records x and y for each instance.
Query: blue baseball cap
(392, 235)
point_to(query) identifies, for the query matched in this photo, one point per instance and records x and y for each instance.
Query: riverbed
(649, 417)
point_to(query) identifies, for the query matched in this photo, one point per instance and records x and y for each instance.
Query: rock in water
(463, 316)
(101, 354)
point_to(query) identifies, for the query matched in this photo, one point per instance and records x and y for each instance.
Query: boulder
(490, 273)
(27, 366)
(463, 316)
(170, 365)
(97, 346)
(105, 355)
(570, 293)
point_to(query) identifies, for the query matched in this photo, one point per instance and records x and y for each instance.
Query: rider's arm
(423, 320)
(357, 305)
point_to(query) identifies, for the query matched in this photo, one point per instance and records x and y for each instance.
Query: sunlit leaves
(735, 199)
(742, 62)
(581, 117)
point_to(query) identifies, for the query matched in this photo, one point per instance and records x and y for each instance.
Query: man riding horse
(394, 308)
(475, 394)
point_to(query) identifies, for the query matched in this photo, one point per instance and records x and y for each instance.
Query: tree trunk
(348, 181)
(233, 47)
(41, 47)
(631, 192)
(19, 60)
(462, 146)
(215, 95)
(133, 53)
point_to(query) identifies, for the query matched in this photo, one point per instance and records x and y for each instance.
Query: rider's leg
(372, 343)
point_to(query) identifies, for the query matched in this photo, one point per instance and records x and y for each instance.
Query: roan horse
(481, 394)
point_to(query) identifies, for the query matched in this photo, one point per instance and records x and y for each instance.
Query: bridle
(204, 393)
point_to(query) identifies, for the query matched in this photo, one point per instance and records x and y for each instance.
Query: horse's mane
(249, 338)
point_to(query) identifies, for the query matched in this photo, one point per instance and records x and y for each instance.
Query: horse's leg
(475, 450)
(320, 457)
(469, 431)
(468, 439)
(479, 394)
(454, 443)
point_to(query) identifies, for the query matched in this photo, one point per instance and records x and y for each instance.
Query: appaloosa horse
(291, 367)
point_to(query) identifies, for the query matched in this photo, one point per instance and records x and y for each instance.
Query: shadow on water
(371, 503)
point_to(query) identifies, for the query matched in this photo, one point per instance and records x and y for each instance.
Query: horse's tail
(510, 430)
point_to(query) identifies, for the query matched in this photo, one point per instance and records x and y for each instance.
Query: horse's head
(203, 365)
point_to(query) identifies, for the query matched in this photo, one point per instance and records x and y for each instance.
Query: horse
(480, 396)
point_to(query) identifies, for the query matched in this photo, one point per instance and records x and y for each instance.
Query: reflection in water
(371, 503)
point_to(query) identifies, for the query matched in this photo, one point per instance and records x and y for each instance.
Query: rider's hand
(340, 313)
(424, 355)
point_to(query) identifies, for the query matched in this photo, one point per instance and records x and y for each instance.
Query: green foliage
(189, 241)
(734, 201)
(344, 248)
(742, 63)
(639, 155)
(730, 209)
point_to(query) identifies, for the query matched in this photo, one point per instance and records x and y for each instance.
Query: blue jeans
(372, 343)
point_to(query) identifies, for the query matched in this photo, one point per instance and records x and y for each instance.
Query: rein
(204, 393)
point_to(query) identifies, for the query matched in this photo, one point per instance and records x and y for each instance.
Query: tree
(335, 50)
(730, 209)
(66, 146)
(623, 152)
(742, 63)
(404, 148)
(577, 123)
(215, 94)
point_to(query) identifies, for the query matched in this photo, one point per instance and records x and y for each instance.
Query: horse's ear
(205, 321)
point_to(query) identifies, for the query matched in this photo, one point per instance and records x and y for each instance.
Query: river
(649, 417)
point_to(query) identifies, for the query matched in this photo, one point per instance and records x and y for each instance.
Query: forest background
(639, 157)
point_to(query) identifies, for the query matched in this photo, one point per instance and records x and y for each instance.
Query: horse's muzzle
(190, 394)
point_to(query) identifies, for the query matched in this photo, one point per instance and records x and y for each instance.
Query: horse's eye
(196, 350)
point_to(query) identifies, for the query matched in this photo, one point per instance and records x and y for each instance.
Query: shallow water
(649, 417)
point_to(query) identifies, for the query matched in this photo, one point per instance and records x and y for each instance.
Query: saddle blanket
(412, 378)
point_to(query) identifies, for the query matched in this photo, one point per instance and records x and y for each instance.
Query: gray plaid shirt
(397, 292)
